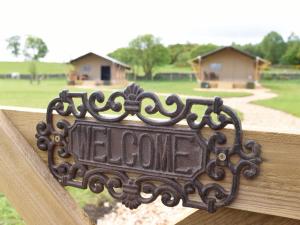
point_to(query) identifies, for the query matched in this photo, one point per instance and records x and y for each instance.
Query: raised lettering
(173, 152)
(181, 154)
(142, 146)
(100, 144)
(84, 141)
(126, 135)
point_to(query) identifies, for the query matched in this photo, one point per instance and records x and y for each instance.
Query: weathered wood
(227, 216)
(28, 184)
(276, 191)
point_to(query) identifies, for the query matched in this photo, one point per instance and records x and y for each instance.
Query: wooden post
(275, 192)
(28, 184)
(228, 216)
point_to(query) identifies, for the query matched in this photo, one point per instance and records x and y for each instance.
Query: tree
(35, 49)
(273, 47)
(127, 56)
(123, 54)
(203, 49)
(149, 52)
(14, 45)
(180, 51)
(253, 49)
(292, 53)
(183, 59)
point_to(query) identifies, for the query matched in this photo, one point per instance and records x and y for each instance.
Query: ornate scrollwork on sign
(155, 157)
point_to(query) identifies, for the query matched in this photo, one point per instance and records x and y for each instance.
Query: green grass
(8, 215)
(41, 67)
(288, 99)
(291, 70)
(22, 93)
(173, 69)
(84, 197)
(54, 68)
(185, 87)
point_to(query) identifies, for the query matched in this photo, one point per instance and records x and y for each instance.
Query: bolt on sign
(152, 156)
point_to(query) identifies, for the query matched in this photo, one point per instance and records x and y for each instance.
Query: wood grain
(276, 191)
(28, 184)
(228, 216)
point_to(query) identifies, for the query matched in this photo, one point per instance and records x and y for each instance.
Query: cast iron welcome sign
(139, 161)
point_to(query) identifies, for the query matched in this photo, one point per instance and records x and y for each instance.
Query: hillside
(42, 67)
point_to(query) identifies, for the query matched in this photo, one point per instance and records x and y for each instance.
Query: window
(86, 68)
(215, 67)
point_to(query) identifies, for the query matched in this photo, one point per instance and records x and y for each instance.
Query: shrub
(250, 85)
(205, 84)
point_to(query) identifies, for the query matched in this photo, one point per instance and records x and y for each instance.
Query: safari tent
(98, 69)
(228, 67)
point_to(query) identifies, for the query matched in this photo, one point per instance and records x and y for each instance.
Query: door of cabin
(105, 73)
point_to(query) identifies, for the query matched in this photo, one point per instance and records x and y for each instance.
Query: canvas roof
(196, 60)
(104, 57)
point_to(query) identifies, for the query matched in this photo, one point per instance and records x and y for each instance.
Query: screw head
(222, 157)
(57, 138)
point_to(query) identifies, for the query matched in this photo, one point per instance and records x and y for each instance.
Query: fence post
(28, 184)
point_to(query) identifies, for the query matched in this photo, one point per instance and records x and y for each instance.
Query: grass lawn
(173, 69)
(168, 69)
(288, 99)
(22, 93)
(185, 87)
(57, 68)
(287, 70)
(41, 67)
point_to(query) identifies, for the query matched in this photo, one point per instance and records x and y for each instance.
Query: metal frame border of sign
(127, 185)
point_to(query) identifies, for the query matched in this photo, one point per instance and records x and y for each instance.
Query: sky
(71, 28)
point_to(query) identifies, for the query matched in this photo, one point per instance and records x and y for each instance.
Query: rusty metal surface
(155, 158)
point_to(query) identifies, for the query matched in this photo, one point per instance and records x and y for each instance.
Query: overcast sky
(71, 27)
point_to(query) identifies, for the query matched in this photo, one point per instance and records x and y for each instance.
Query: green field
(185, 87)
(288, 99)
(168, 69)
(57, 68)
(41, 67)
(22, 93)
(283, 70)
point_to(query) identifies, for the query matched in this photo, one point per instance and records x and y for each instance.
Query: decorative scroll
(139, 161)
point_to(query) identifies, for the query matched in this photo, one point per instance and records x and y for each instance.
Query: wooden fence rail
(272, 198)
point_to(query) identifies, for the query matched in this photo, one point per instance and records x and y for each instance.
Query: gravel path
(262, 118)
(258, 117)
(154, 213)
(255, 118)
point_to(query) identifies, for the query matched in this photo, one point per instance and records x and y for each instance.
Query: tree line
(147, 51)
(33, 49)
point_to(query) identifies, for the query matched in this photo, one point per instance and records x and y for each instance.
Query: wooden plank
(28, 184)
(228, 216)
(276, 191)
